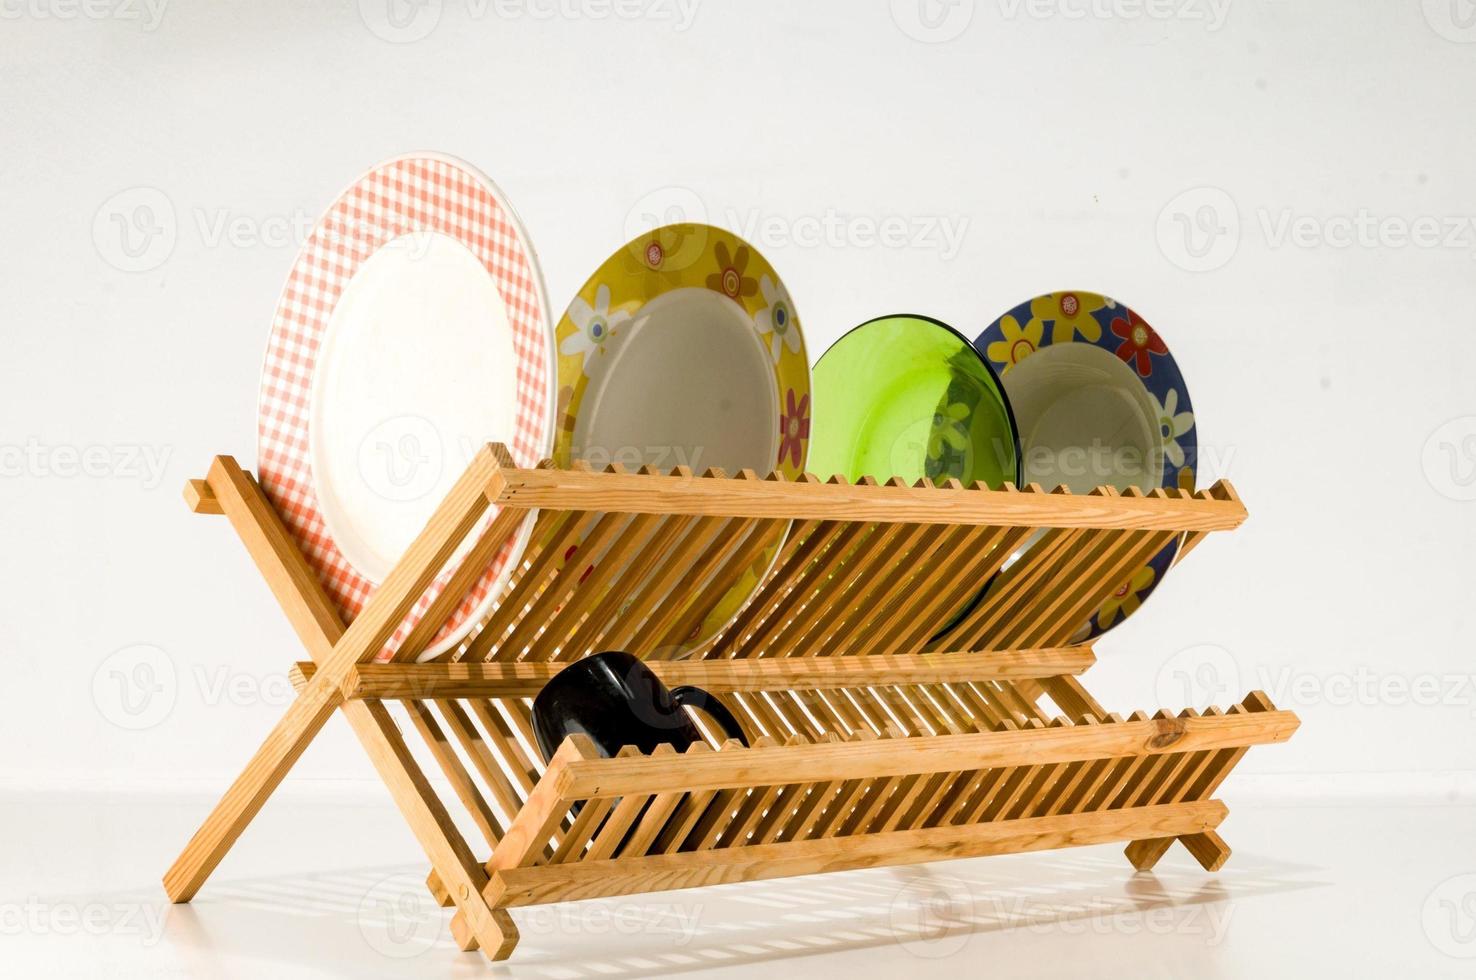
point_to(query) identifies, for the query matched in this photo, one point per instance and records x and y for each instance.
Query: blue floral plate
(1098, 399)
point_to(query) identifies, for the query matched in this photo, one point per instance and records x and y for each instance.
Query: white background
(1058, 137)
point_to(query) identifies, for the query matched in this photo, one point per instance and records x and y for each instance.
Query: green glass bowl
(908, 396)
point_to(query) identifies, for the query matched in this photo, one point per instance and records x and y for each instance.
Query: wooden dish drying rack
(872, 741)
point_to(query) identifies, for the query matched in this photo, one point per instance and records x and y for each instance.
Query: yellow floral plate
(683, 349)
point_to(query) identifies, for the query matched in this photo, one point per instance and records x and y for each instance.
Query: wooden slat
(484, 758)
(635, 494)
(890, 560)
(555, 617)
(891, 757)
(793, 594)
(597, 879)
(688, 811)
(718, 812)
(621, 818)
(572, 847)
(461, 781)
(497, 679)
(472, 568)
(525, 840)
(548, 546)
(719, 568)
(913, 612)
(656, 814)
(730, 562)
(848, 589)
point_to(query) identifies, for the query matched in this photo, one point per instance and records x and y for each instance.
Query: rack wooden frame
(872, 741)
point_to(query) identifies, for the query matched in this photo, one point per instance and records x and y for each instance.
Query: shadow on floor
(381, 921)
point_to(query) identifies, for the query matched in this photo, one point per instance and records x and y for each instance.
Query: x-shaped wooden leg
(233, 492)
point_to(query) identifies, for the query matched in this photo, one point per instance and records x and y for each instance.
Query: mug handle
(688, 696)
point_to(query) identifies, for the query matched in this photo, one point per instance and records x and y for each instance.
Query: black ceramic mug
(617, 700)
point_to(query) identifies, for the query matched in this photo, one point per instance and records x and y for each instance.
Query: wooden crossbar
(497, 679)
(597, 778)
(629, 493)
(570, 882)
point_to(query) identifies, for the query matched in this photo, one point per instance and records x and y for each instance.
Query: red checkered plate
(413, 329)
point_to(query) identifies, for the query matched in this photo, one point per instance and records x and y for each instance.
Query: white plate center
(1084, 419)
(417, 370)
(689, 384)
